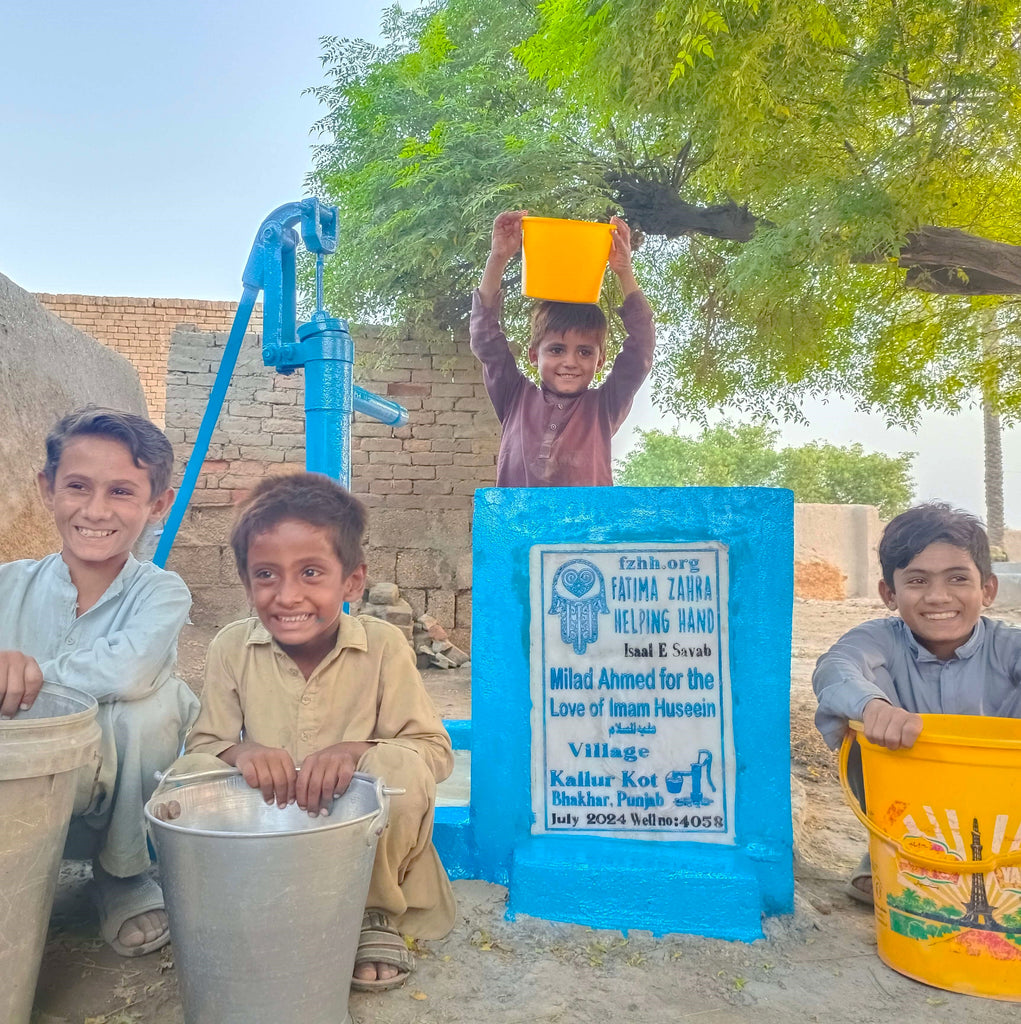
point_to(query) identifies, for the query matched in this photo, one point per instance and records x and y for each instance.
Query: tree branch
(657, 209)
(952, 262)
(946, 261)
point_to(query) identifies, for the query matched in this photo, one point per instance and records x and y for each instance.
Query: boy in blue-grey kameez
(93, 617)
(939, 655)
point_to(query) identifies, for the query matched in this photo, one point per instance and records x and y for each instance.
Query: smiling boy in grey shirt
(940, 656)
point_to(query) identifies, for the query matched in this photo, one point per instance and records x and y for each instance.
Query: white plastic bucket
(41, 752)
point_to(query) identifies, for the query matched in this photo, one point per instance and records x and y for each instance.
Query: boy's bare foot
(143, 928)
(375, 972)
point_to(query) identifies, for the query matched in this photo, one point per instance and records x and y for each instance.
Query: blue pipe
(209, 419)
(327, 352)
(382, 409)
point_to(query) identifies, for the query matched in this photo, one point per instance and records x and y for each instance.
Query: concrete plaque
(630, 687)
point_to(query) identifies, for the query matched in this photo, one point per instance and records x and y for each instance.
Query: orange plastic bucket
(564, 260)
(944, 821)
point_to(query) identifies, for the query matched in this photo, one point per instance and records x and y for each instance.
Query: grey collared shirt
(881, 658)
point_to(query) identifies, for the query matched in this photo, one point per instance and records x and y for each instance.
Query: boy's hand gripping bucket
(944, 821)
(564, 260)
(265, 904)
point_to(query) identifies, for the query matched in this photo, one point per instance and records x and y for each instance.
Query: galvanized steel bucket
(265, 904)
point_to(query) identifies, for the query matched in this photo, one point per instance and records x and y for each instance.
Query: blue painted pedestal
(717, 889)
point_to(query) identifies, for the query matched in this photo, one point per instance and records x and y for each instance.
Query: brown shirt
(366, 690)
(549, 440)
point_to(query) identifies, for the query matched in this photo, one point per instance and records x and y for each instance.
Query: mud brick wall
(417, 481)
(836, 551)
(140, 329)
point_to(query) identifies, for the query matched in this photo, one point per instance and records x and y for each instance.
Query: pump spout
(382, 409)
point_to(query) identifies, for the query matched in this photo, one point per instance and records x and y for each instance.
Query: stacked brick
(140, 329)
(261, 428)
(385, 602)
(428, 639)
(433, 647)
(417, 481)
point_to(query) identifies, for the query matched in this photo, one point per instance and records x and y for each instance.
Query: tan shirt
(367, 689)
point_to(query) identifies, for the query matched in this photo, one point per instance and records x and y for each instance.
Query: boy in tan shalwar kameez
(307, 685)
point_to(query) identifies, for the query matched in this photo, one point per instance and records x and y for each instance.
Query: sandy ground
(818, 964)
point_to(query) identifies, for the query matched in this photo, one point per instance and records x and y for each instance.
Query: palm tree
(992, 436)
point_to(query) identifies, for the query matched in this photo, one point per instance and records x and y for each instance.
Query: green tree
(725, 455)
(847, 476)
(786, 163)
(745, 455)
(426, 138)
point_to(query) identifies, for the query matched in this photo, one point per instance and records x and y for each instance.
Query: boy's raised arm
(620, 257)
(506, 242)
(634, 361)
(500, 371)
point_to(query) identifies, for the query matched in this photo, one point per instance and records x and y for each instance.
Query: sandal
(117, 900)
(860, 885)
(381, 943)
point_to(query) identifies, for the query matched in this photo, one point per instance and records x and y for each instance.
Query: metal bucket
(265, 904)
(41, 752)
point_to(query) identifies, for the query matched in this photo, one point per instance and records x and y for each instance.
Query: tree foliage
(847, 127)
(743, 455)
(428, 137)
(764, 150)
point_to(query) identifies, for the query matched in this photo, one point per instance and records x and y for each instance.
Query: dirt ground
(818, 964)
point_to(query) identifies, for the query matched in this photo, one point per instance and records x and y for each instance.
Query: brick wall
(417, 481)
(140, 329)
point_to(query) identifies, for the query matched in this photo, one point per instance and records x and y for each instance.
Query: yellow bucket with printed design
(564, 260)
(944, 821)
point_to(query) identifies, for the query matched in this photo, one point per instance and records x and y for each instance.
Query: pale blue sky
(143, 144)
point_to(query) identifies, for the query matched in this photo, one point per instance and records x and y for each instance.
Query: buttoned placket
(307, 718)
(553, 427)
(71, 635)
(949, 685)
(946, 677)
(307, 726)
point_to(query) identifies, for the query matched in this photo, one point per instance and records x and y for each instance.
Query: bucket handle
(378, 823)
(965, 867)
(376, 826)
(170, 778)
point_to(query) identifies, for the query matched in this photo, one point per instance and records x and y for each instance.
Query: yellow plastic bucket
(564, 260)
(944, 821)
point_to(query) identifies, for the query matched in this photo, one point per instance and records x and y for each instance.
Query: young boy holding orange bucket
(939, 655)
(558, 434)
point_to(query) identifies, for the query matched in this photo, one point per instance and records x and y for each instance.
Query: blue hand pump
(322, 346)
